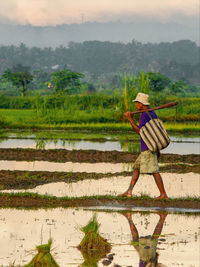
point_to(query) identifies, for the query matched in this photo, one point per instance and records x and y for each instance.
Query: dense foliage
(18, 79)
(178, 60)
(66, 80)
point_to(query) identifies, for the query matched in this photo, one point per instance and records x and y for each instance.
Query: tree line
(61, 81)
(69, 82)
(101, 60)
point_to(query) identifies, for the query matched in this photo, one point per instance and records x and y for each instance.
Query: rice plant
(93, 246)
(43, 258)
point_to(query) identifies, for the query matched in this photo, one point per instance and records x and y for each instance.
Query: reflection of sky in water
(185, 139)
(22, 230)
(176, 147)
(60, 144)
(176, 185)
(182, 148)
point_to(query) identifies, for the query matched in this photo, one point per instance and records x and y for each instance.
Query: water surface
(181, 146)
(22, 230)
(13, 165)
(176, 185)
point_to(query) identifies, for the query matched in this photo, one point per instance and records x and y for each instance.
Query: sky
(55, 12)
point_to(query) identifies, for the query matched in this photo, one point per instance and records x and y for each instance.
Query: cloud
(52, 12)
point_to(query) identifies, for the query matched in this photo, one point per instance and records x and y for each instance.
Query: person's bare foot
(162, 197)
(162, 213)
(125, 194)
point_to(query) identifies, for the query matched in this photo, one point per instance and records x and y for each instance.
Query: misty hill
(54, 36)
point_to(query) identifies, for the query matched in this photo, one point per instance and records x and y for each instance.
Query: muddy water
(22, 230)
(181, 146)
(176, 185)
(64, 167)
(60, 144)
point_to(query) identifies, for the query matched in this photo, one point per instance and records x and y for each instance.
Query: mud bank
(28, 180)
(91, 156)
(38, 201)
(31, 179)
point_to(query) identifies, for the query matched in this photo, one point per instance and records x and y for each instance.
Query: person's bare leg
(134, 179)
(159, 226)
(160, 185)
(133, 229)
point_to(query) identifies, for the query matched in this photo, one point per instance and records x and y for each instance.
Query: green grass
(98, 197)
(93, 120)
(57, 109)
(183, 127)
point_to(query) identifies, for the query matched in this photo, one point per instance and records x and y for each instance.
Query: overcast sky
(53, 12)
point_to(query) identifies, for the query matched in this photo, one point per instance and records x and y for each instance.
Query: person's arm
(132, 122)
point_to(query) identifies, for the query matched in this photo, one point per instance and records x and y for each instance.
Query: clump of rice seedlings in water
(93, 246)
(90, 260)
(92, 240)
(43, 257)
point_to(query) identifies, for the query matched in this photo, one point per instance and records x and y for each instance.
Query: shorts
(147, 162)
(147, 254)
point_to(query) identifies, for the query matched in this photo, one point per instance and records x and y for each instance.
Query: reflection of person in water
(146, 246)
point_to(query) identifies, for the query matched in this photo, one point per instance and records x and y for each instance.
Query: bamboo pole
(168, 105)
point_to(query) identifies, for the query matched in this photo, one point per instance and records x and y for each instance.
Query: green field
(27, 119)
(92, 113)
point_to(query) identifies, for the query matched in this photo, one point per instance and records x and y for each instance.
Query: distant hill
(54, 36)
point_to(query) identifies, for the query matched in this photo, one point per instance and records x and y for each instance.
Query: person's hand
(128, 115)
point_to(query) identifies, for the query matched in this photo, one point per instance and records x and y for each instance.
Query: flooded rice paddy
(64, 167)
(177, 239)
(177, 185)
(179, 145)
(177, 236)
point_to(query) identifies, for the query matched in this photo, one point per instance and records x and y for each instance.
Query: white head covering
(142, 98)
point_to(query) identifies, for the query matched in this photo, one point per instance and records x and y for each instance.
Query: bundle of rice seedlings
(90, 260)
(93, 246)
(43, 257)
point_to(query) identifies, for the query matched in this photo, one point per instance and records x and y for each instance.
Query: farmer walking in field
(147, 162)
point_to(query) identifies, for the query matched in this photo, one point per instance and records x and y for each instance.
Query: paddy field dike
(53, 181)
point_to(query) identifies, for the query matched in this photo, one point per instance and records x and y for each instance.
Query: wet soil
(36, 201)
(31, 179)
(180, 168)
(91, 156)
(28, 180)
